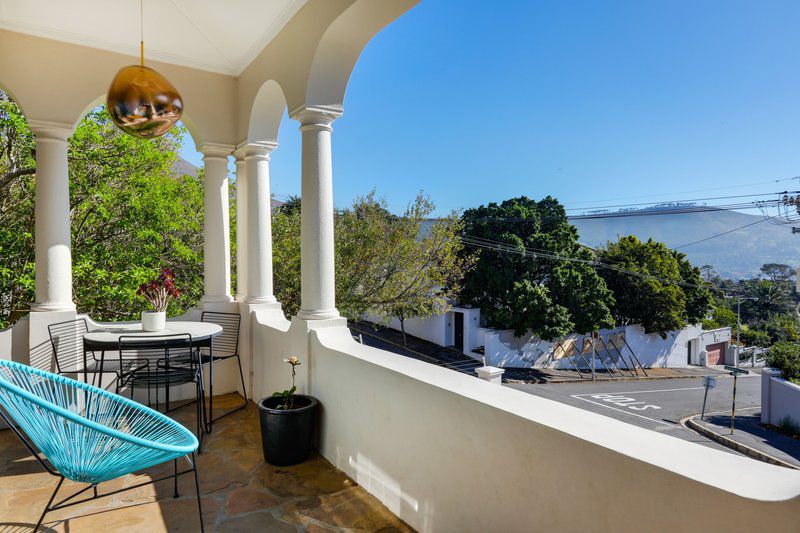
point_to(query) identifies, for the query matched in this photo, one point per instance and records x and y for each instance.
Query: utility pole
(739, 329)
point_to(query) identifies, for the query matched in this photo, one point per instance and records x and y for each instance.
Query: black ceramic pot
(286, 434)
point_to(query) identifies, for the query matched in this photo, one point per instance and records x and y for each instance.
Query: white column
(318, 281)
(259, 223)
(241, 226)
(52, 228)
(217, 227)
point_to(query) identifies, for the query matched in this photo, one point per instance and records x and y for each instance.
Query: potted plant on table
(158, 292)
(287, 424)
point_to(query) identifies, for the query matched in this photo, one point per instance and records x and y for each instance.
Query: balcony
(240, 492)
(400, 441)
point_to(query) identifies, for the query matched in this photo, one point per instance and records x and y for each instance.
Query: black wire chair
(164, 361)
(223, 346)
(66, 338)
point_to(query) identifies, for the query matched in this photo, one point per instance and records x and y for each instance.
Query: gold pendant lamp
(142, 102)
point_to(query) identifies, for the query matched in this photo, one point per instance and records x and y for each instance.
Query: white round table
(107, 338)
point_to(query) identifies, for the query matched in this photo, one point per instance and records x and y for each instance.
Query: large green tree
(390, 266)
(130, 216)
(653, 285)
(531, 273)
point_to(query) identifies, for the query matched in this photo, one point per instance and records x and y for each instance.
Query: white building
(458, 328)
(442, 450)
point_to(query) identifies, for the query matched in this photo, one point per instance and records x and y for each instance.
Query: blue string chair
(87, 434)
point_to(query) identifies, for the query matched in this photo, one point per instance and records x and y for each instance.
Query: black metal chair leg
(241, 375)
(201, 423)
(175, 493)
(50, 502)
(210, 392)
(201, 398)
(197, 488)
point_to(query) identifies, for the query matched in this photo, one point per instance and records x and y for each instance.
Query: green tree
(130, 216)
(291, 204)
(386, 265)
(653, 285)
(721, 317)
(518, 288)
(763, 297)
(286, 258)
(17, 186)
(785, 356)
(777, 272)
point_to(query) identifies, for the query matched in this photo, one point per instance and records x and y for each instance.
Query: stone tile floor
(240, 492)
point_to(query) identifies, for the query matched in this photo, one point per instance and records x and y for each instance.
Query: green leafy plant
(789, 426)
(288, 395)
(785, 356)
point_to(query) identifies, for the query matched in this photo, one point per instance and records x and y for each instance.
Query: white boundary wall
(448, 452)
(504, 349)
(779, 398)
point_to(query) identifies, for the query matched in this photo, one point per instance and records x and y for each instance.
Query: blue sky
(588, 101)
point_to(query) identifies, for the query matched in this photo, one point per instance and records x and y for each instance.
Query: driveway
(657, 405)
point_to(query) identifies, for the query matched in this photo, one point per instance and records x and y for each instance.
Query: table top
(108, 336)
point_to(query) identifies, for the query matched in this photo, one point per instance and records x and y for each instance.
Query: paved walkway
(749, 434)
(240, 492)
(391, 340)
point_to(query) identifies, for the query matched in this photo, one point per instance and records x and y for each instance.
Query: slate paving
(240, 492)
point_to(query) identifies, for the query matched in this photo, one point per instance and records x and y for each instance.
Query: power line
(679, 210)
(477, 242)
(692, 191)
(682, 201)
(725, 232)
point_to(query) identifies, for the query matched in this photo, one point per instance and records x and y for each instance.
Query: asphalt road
(657, 405)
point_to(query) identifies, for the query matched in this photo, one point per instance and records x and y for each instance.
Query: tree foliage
(764, 297)
(665, 293)
(777, 272)
(386, 265)
(549, 297)
(130, 216)
(785, 356)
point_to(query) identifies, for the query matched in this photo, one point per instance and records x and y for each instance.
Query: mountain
(738, 254)
(182, 167)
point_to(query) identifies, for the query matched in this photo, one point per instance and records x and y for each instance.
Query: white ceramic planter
(154, 320)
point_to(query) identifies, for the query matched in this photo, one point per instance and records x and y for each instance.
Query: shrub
(785, 356)
(782, 327)
(754, 337)
(788, 425)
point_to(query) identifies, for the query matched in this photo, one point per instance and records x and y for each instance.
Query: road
(657, 405)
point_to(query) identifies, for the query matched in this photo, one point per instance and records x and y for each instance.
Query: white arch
(341, 45)
(266, 113)
(13, 97)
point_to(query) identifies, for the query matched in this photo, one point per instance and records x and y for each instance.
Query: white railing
(447, 452)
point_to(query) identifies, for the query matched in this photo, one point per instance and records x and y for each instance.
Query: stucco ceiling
(216, 35)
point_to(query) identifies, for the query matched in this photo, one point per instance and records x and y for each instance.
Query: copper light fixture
(142, 102)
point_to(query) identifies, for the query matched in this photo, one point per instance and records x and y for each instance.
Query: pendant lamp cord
(141, 31)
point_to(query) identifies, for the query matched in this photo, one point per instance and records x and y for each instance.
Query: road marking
(636, 392)
(579, 397)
